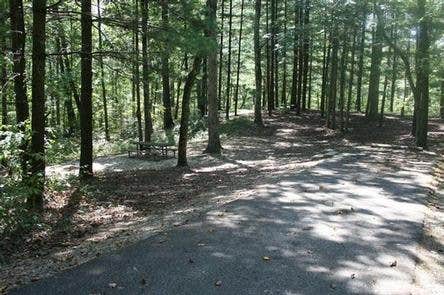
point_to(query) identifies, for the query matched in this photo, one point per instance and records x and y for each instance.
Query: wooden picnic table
(148, 149)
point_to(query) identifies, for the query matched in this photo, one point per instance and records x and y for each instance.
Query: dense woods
(75, 74)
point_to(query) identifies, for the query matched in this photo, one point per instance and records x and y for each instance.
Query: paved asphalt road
(349, 225)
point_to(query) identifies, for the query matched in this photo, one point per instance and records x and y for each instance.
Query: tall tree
(136, 75)
(350, 81)
(168, 123)
(35, 199)
(441, 101)
(19, 65)
(331, 114)
(294, 82)
(257, 64)
(102, 73)
(145, 74)
(184, 119)
(214, 145)
(3, 79)
(236, 94)
(230, 31)
(422, 74)
(342, 80)
(18, 72)
(394, 76)
(221, 47)
(325, 61)
(306, 47)
(375, 72)
(360, 72)
(284, 58)
(86, 126)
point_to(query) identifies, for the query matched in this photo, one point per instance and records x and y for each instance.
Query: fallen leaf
(112, 285)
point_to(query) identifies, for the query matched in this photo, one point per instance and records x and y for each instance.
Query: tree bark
(325, 61)
(331, 114)
(3, 84)
(422, 74)
(221, 47)
(375, 73)
(257, 65)
(441, 101)
(306, 47)
(344, 61)
(147, 103)
(184, 119)
(86, 127)
(102, 74)
(350, 82)
(230, 30)
(360, 64)
(19, 66)
(35, 200)
(236, 95)
(214, 145)
(168, 123)
(394, 77)
(137, 75)
(284, 57)
(294, 82)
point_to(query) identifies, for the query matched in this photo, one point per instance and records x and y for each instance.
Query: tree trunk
(86, 126)
(360, 64)
(422, 74)
(147, 103)
(375, 73)
(384, 95)
(137, 75)
(325, 61)
(284, 57)
(35, 200)
(19, 66)
(441, 101)
(301, 55)
(168, 123)
(102, 74)
(350, 82)
(331, 114)
(18, 49)
(257, 65)
(184, 119)
(214, 146)
(306, 56)
(228, 94)
(236, 95)
(3, 83)
(294, 82)
(394, 77)
(221, 47)
(344, 61)
(310, 86)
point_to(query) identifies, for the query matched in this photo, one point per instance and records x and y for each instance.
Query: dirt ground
(132, 199)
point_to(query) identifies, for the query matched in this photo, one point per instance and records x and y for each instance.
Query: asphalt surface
(349, 225)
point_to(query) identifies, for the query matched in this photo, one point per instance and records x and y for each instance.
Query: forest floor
(359, 212)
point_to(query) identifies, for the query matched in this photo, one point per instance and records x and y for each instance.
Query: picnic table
(152, 150)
